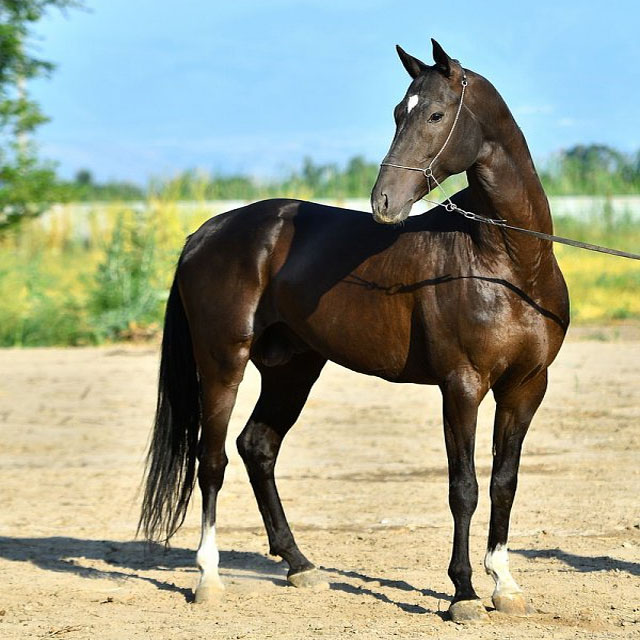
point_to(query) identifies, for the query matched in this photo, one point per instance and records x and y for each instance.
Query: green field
(93, 276)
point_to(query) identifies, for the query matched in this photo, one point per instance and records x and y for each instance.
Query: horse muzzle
(387, 209)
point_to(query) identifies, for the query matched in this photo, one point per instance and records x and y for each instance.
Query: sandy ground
(363, 477)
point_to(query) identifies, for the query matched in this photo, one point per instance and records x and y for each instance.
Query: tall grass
(81, 277)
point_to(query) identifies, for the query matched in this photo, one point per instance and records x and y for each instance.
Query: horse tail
(171, 460)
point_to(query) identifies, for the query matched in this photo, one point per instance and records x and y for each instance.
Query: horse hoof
(512, 604)
(209, 593)
(309, 579)
(468, 611)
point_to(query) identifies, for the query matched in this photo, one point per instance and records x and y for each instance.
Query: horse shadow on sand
(582, 564)
(135, 559)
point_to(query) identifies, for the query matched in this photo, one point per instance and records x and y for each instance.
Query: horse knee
(258, 445)
(503, 487)
(463, 494)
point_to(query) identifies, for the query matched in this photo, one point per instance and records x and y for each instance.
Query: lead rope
(496, 222)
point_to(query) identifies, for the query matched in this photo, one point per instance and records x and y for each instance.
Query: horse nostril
(383, 202)
(380, 203)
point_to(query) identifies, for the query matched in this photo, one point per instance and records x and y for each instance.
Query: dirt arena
(363, 478)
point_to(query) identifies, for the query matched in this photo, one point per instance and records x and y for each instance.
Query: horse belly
(353, 326)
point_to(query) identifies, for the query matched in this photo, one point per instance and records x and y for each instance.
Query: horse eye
(435, 117)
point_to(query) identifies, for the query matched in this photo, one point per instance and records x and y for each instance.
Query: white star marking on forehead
(412, 102)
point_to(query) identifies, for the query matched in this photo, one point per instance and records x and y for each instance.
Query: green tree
(593, 169)
(26, 183)
(84, 178)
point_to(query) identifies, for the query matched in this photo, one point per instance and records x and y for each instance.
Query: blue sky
(148, 87)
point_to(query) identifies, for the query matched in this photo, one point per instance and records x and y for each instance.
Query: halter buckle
(428, 173)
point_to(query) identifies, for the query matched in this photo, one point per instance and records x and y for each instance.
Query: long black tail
(171, 460)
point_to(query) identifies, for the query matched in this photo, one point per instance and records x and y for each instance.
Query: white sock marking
(208, 556)
(412, 102)
(496, 563)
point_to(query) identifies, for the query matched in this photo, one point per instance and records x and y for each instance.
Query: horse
(433, 299)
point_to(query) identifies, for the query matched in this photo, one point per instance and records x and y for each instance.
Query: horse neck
(504, 184)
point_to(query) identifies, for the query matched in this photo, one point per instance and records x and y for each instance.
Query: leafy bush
(128, 290)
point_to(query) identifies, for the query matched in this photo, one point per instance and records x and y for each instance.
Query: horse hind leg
(220, 377)
(284, 391)
(514, 412)
(221, 289)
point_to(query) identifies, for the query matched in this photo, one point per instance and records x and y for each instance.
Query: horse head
(428, 140)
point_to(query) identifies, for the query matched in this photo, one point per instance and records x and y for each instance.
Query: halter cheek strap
(428, 172)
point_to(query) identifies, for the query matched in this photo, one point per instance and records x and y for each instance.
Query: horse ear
(442, 60)
(413, 66)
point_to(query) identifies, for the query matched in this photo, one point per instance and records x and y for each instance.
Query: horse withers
(438, 299)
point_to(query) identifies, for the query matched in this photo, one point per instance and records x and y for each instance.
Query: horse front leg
(462, 394)
(514, 412)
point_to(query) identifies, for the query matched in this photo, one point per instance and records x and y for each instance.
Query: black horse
(438, 300)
